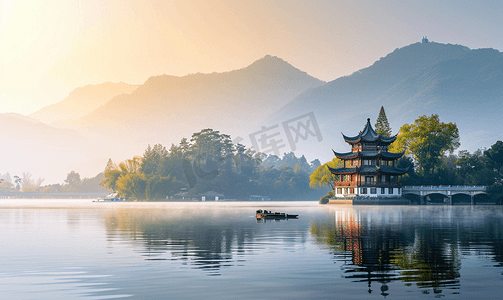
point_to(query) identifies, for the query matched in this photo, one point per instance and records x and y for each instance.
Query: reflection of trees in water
(200, 240)
(421, 248)
(196, 241)
(431, 261)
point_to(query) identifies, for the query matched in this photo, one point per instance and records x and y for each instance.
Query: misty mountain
(460, 85)
(82, 101)
(29, 145)
(166, 108)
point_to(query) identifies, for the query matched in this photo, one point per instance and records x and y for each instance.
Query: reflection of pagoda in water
(377, 248)
(369, 251)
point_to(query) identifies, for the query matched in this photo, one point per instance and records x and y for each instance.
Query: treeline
(482, 167)
(73, 183)
(210, 162)
(429, 146)
(463, 168)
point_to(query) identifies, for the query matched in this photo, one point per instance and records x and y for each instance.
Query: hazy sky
(48, 48)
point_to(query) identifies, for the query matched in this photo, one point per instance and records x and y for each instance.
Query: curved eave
(351, 140)
(342, 171)
(369, 139)
(369, 170)
(369, 135)
(369, 154)
(384, 155)
(345, 156)
(392, 156)
(392, 170)
(387, 140)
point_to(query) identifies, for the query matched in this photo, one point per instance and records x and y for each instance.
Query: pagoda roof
(369, 135)
(369, 170)
(341, 171)
(369, 154)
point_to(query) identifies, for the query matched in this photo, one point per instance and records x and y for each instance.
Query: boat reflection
(201, 240)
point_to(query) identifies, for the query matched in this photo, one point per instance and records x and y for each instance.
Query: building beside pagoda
(369, 170)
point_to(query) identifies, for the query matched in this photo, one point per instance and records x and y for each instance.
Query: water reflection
(150, 250)
(201, 240)
(415, 246)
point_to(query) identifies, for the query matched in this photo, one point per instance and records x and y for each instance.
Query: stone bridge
(448, 191)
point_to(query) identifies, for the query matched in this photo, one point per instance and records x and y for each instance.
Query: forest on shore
(429, 146)
(210, 164)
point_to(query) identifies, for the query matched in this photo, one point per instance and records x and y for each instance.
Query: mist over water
(77, 249)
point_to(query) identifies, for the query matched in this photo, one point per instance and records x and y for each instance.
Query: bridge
(447, 191)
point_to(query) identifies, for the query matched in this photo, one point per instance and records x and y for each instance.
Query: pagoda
(369, 169)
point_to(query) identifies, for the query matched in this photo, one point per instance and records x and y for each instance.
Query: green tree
(322, 177)
(495, 192)
(158, 187)
(154, 159)
(427, 139)
(6, 186)
(111, 175)
(73, 179)
(132, 186)
(495, 158)
(382, 125)
(472, 169)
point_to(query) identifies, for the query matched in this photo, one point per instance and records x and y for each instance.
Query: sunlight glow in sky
(49, 48)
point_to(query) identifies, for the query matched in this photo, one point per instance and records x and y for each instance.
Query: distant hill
(167, 108)
(29, 145)
(460, 85)
(82, 101)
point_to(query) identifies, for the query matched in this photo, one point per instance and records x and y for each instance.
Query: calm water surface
(77, 249)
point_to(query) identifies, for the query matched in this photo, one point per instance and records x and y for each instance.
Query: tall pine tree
(382, 126)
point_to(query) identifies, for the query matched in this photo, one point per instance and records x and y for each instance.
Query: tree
(159, 187)
(73, 179)
(111, 175)
(322, 177)
(6, 177)
(495, 157)
(472, 169)
(382, 126)
(28, 181)
(427, 139)
(6, 186)
(17, 182)
(132, 185)
(154, 159)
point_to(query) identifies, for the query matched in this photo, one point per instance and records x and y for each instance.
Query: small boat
(264, 214)
(111, 198)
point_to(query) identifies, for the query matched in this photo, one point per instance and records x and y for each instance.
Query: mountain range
(81, 101)
(462, 86)
(267, 99)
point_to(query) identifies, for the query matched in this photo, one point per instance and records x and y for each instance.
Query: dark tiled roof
(390, 155)
(347, 155)
(393, 171)
(343, 170)
(369, 135)
(370, 170)
(369, 154)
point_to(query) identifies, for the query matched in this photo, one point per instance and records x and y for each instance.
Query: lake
(77, 249)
